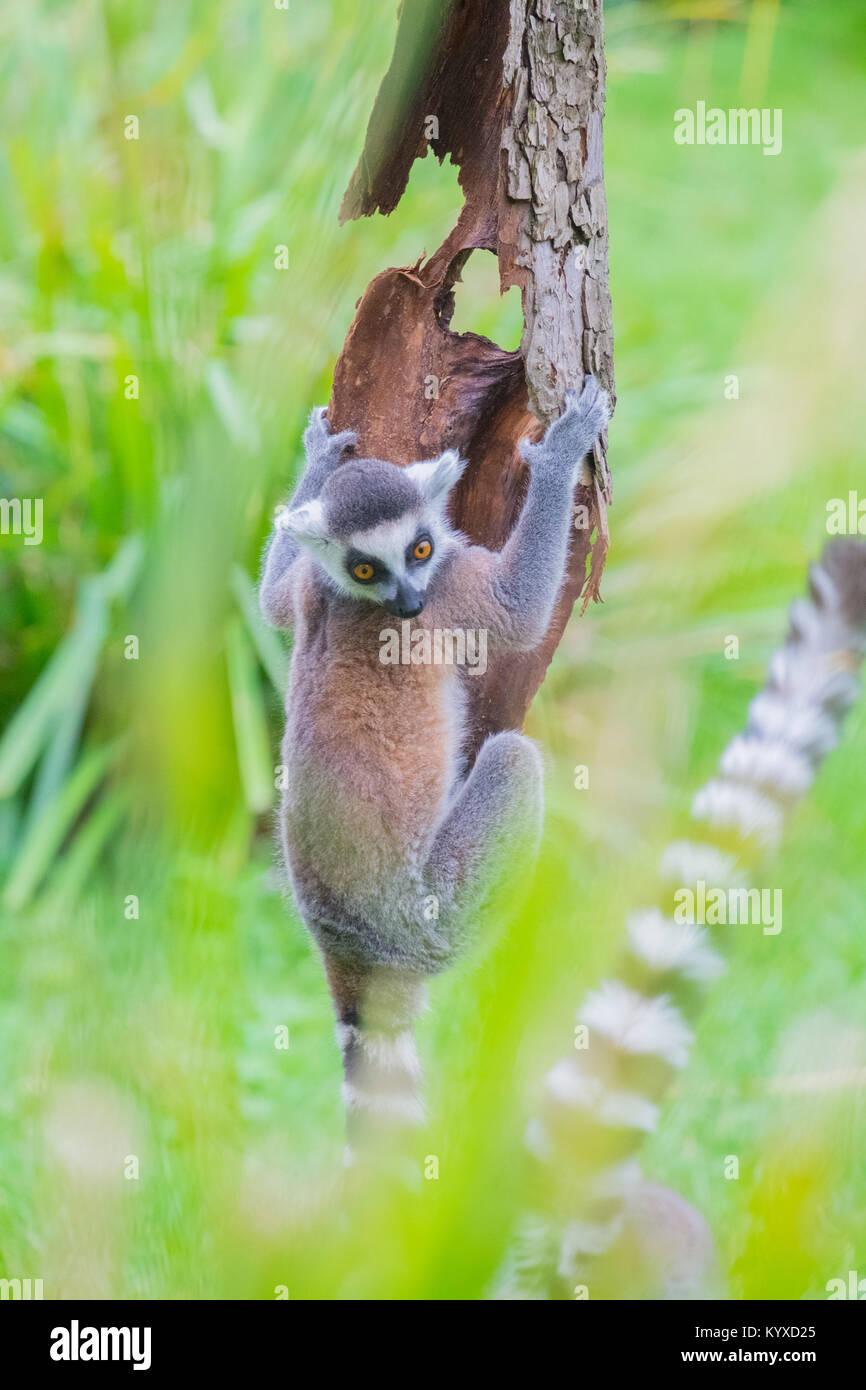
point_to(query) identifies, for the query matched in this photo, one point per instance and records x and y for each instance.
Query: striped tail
(599, 1102)
(376, 1011)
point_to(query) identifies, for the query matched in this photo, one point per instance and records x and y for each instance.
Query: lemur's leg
(376, 1008)
(324, 451)
(489, 837)
(492, 827)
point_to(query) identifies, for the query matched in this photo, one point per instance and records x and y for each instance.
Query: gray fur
(534, 555)
(324, 451)
(364, 492)
(391, 847)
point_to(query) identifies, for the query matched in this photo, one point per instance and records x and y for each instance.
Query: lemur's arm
(324, 451)
(527, 575)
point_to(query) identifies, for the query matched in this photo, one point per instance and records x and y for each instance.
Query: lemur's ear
(436, 477)
(306, 523)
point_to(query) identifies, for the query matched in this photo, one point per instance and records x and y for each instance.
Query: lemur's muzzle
(406, 603)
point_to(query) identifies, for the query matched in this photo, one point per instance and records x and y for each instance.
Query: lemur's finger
(594, 398)
(317, 428)
(594, 408)
(346, 439)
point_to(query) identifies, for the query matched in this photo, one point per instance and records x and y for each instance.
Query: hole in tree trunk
(478, 307)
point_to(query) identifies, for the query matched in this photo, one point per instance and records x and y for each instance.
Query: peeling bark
(517, 88)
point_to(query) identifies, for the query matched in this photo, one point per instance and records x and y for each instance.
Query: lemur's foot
(570, 438)
(321, 443)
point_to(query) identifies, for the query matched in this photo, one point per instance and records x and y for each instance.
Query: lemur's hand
(570, 438)
(323, 447)
(324, 451)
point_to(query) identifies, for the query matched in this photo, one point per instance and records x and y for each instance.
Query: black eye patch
(419, 552)
(365, 569)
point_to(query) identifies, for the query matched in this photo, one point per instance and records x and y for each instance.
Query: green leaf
(59, 689)
(268, 645)
(230, 406)
(53, 712)
(75, 868)
(44, 838)
(250, 720)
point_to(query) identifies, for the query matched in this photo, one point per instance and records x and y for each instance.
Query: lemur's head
(380, 531)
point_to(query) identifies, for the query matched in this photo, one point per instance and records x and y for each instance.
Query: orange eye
(423, 550)
(363, 572)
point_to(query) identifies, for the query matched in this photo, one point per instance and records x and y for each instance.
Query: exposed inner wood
(517, 88)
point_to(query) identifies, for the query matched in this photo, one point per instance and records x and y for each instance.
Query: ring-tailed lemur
(599, 1103)
(391, 845)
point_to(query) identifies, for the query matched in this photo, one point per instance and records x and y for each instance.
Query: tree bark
(513, 91)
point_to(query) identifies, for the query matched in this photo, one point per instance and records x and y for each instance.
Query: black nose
(410, 612)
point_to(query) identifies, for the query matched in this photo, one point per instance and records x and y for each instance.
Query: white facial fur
(436, 477)
(389, 541)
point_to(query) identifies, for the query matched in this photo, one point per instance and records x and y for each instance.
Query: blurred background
(170, 1122)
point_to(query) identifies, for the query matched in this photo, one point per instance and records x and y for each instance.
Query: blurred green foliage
(156, 368)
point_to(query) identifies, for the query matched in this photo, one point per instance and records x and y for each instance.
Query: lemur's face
(394, 561)
(380, 532)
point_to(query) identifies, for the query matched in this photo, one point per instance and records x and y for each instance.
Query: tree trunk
(514, 93)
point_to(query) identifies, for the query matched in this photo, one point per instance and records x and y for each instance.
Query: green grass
(152, 1036)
